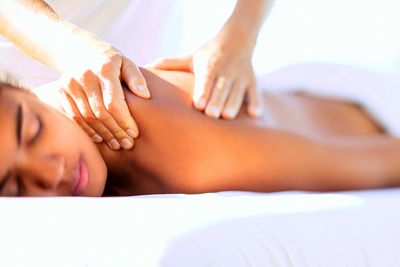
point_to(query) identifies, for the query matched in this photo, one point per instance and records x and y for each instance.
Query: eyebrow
(4, 180)
(18, 119)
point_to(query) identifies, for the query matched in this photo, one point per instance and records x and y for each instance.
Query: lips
(81, 177)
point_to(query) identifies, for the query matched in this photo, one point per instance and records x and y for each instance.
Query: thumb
(131, 75)
(178, 63)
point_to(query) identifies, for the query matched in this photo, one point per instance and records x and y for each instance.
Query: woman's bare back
(297, 112)
(182, 150)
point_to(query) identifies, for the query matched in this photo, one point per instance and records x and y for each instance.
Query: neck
(126, 175)
(117, 173)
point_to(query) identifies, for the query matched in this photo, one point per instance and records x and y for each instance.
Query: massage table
(355, 228)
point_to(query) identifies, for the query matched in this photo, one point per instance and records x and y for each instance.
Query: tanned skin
(302, 143)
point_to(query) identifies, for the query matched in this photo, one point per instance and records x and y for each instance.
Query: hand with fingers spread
(94, 98)
(224, 76)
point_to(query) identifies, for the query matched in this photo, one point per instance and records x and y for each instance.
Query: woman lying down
(304, 142)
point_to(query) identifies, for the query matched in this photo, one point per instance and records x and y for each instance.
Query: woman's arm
(260, 159)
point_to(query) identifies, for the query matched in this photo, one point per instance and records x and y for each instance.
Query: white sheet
(227, 229)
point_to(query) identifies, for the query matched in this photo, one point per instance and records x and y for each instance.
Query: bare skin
(222, 66)
(302, 143)
(312, 144)
(93, 70)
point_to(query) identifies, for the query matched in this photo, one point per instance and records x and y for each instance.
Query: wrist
(75, 47)
(233, 34)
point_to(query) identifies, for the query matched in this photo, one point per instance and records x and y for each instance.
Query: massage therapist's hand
(224, 76)
(92, 69)
(92, 95)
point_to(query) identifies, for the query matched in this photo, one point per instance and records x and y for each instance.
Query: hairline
(7, 79)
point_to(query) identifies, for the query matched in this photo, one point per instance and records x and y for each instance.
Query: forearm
(247, 19)
(39, 32)
(330, 163)
(275, 160)
(360, 163)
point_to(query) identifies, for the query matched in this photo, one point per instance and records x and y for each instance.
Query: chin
(97, 179)
(95, 169)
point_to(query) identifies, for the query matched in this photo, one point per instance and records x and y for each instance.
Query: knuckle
(89, 117)
(106, 135)
(107, 68)
(220, 87)
(72, 83)
(219, 96)
(102, 115)
(115, 56)
(111, 63)
(87, 114)
(209, 74)
(77, 118)
(119, 133)
(113, 107)
(89, 131)
(87, 76)
(213, 64)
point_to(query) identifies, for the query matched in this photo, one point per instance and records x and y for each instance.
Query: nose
(45, 171)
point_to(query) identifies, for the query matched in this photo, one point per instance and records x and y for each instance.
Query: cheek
(74, 142)
(96, 166)
(97, 170)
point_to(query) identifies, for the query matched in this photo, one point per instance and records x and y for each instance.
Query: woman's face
(42, 153)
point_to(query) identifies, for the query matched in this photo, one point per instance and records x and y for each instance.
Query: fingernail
(126, 143)
(97, 138)
(213, 111)
(143, 88)
(257, 111)
(201, 103)
(132, 133)
(114, 144)
(229, 112)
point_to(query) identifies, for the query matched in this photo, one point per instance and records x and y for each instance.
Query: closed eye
(36, 135)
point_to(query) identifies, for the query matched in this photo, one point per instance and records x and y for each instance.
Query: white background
(356, 32)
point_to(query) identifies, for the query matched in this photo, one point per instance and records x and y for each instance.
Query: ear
(49, 94)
